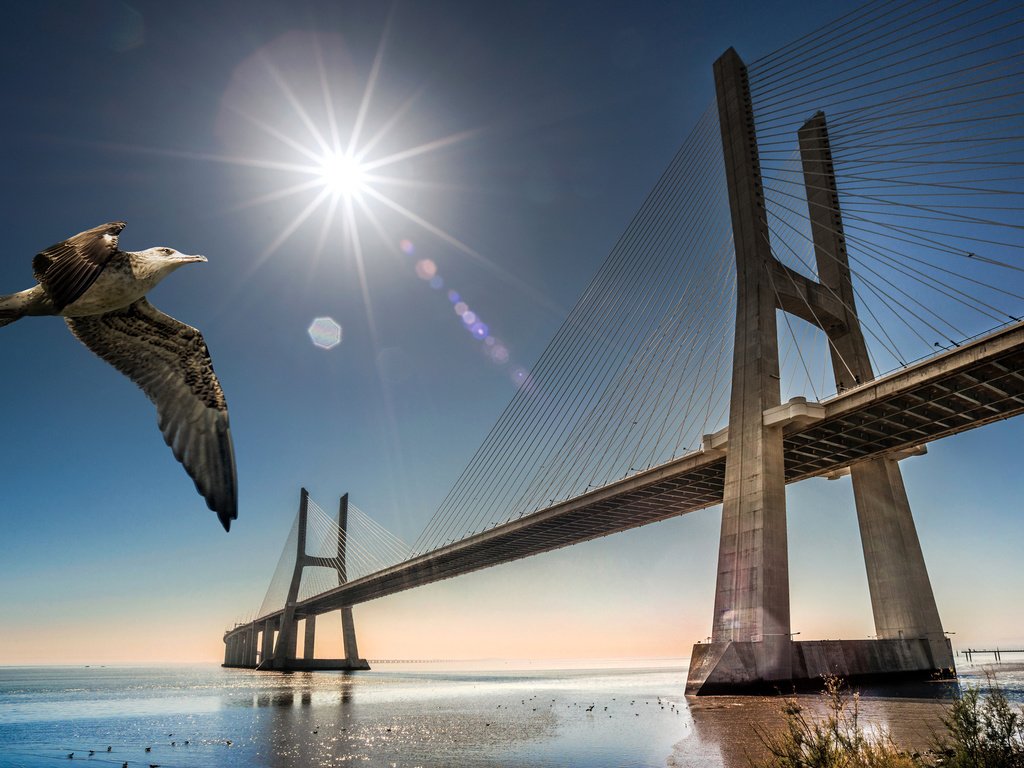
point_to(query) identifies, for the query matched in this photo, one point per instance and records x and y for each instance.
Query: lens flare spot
(453, 297)
(426, 269)
(469, 317)
(325, 333)
(498, 354)
(520, 376)
(479, 330)
(461, 308)
(407, 247)
(436, 282)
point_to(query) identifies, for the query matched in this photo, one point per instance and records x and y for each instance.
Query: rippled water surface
(410, 715)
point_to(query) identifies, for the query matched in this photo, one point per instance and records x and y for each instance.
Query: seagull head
(170, 256)
(163, 261)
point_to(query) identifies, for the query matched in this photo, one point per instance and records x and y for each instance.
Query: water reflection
(485, 719)
(725, 729)
(441, 720)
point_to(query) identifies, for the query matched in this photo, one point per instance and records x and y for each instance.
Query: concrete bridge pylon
(752, 646)
(278, 649)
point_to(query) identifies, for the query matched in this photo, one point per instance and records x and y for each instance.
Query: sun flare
(342, 174)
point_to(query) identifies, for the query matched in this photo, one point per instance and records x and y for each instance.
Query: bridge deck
(967, 387)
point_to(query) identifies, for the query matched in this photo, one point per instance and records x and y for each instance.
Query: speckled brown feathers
(67, 269)
(100, 291)
(169, 361)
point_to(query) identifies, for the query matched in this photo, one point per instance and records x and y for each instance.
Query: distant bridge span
(969, 386)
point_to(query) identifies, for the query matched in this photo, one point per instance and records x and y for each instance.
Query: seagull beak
(189, 259)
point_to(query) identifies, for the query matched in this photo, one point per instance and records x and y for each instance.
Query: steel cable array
(634, 376)
(368, 546)
(922, 101)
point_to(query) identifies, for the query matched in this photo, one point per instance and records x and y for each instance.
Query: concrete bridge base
(732, 667)
(314, 665)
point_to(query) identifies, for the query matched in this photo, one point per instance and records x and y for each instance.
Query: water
(405, 715)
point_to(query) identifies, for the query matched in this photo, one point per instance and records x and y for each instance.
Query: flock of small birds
(147, 750)
(586, 708)
(590, 708)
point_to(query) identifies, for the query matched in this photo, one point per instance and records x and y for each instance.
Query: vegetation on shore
(981, 732)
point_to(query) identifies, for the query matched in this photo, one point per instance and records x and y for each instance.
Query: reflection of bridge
(864, 430)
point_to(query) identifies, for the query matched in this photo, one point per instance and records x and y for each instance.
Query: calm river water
(625, 714)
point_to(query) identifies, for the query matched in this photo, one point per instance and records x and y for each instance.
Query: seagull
(100, 291)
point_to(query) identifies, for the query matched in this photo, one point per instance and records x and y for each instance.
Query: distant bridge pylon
(270, 642)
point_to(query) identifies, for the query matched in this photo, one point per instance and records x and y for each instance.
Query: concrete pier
(901, 593)
(279, 646)
(752, 592)
(751, 646)
(310, 637)
(725, 668)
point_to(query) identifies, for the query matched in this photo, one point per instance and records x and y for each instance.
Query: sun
(342, 174)
(296, 109)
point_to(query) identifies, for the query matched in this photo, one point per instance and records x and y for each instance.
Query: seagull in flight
(100, 291)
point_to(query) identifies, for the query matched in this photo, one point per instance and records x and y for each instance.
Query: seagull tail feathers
(10, 310)
(15, 306)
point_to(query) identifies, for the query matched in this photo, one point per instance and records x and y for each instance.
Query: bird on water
(100, 291)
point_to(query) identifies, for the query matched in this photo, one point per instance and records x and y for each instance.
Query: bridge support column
(751, 634)
(284, 650)
(309, 640)
(901, 593)
(267, 655)
(348, 627)
(250, 646)
(348, 636)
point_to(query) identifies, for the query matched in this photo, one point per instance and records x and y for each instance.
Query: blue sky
(552, 122)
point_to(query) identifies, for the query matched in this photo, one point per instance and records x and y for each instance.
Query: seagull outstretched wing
(170, 363)
(67, 269)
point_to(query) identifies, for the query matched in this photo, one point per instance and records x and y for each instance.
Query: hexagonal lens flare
(325, 333)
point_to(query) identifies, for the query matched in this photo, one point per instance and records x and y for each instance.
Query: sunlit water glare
(402, 715)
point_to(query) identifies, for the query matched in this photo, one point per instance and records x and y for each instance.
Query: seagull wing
(171, 364)
(67, 269)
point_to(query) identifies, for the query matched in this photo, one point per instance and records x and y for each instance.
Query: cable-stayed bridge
(851, 203)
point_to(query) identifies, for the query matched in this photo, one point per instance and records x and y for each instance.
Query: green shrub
(983, 732)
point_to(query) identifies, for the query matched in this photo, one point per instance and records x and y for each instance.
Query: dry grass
(982, 732)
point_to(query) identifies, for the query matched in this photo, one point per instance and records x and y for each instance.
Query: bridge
(912, 193)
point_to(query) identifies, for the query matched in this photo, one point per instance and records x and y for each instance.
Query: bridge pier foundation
(732, 667)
